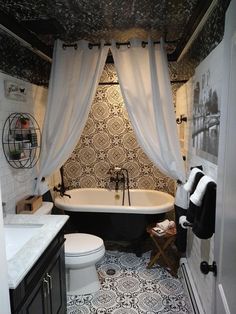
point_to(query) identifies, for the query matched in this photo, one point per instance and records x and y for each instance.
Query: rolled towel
(166, 224)
(184, 223)
(197, 196)
(165, 227)
(189, 184)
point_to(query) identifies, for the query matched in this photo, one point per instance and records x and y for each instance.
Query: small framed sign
(15, 91)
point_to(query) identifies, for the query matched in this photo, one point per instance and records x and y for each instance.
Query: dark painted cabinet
(43, 290)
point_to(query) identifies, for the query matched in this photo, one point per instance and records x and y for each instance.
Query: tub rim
(63, 203)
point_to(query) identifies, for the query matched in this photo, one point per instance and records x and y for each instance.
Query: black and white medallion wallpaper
(107, 141)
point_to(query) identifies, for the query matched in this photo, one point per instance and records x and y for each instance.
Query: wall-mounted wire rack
(21, 140)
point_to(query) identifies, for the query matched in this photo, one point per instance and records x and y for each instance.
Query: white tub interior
(109, 201)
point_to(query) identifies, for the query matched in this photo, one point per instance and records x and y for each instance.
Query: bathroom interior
(93, 159)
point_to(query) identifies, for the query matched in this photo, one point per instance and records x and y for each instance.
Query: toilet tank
(45, 209)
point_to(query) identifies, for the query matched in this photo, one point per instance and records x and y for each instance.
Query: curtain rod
(117, 83)
(118, 44)
(108, 83)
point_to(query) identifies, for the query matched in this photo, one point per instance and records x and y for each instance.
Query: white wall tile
(17, 183)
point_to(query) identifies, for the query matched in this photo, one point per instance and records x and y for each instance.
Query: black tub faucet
(120, 175)
(116, 176)
(4, 209)
(117, 180)
(61, 187)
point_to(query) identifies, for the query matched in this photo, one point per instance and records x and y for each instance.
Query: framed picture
(206, 107)
(14, 90)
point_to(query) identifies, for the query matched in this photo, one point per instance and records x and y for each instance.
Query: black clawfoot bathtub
(99, 211)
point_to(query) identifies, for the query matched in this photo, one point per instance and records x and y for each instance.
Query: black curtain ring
(143, 44)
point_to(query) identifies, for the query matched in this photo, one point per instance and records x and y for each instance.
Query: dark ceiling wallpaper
(20, 62)
(211, 34)
(95, 20)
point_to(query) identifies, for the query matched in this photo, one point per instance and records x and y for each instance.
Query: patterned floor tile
(128, 287)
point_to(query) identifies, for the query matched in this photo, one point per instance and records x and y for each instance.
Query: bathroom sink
(17, 235)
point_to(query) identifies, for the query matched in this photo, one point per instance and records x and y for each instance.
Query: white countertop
(24, 259)
(45, 209)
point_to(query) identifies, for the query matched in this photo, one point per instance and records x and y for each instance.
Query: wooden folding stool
(162, 244)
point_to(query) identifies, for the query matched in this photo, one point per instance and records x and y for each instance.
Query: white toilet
(82, 252)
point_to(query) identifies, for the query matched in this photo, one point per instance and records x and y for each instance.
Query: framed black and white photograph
(206, 109)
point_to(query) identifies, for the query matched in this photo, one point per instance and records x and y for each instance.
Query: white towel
(166, 224)
(181, 197)
(189, 184)
(197, 196)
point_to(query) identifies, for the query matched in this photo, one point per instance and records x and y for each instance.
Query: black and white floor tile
(128, 287)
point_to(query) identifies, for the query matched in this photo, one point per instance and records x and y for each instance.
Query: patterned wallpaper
(108, 140)
(210, 36)
(113, 19)
(18, 61)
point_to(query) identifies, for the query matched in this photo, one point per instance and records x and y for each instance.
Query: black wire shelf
(21, 140)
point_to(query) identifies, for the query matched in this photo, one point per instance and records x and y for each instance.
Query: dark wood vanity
(43, 289)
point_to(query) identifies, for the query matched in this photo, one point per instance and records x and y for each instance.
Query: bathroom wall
(17, 183)
(183, 103)
(200, 250)
(108, 140)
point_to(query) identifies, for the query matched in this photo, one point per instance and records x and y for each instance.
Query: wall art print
(15, 91)
(206, 107)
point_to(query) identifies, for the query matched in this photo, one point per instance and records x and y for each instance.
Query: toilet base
(82, 281)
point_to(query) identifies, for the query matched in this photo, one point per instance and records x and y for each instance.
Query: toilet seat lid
(82, 244)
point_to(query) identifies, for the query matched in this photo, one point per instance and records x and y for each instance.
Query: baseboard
(190, 287)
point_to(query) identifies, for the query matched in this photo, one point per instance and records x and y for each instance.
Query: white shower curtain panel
(145, 86)
(74, 78)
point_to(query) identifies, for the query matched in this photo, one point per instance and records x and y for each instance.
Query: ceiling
(40, 22)
(101, 19)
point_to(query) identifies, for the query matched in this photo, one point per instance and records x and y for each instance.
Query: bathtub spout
(61, 190)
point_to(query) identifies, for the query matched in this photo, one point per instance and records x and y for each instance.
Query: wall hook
(181, 119)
